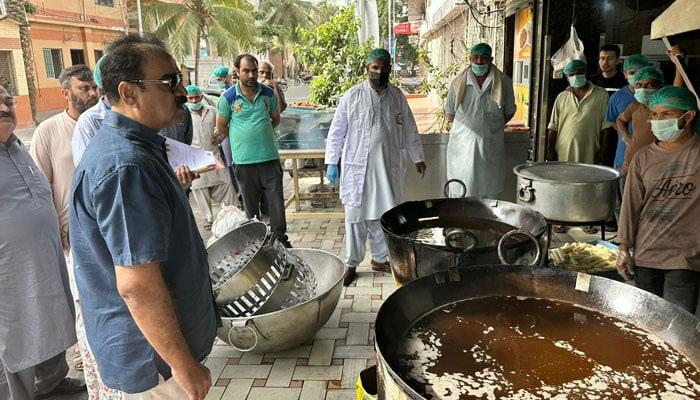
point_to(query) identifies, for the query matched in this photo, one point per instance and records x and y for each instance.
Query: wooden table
(297, 197)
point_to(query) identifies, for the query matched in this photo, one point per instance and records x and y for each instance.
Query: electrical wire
(482, 24)
(484, 12)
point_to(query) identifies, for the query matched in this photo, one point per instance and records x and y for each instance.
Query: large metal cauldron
(568, 192)
(290, 327)
(411, 259)
(411, 302)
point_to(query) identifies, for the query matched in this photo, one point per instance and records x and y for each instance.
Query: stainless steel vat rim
(298, 304)
(576, 171)
(671, 321)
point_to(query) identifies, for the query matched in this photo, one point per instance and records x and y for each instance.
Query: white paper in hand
(197, 160)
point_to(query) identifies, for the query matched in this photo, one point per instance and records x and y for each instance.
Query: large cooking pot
(411, 302)
(512, 234)
(568, 192)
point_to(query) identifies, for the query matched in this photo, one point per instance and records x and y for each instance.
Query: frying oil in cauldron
(526, 348)
(487, 232)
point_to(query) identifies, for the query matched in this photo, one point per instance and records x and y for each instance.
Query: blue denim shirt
(618, 103)
(127, 208)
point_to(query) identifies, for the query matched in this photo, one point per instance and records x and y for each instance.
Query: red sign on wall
(407, 28)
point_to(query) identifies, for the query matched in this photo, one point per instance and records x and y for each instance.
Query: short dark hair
(125, 63)
(240, 58)
(135, 38)
(80, 71)
(610, 47)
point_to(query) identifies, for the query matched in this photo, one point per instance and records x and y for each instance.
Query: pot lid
(566, 172)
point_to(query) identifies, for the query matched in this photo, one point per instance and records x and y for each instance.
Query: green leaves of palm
(227, 24)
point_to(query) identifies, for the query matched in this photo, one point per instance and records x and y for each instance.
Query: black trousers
(679, 286)
(263, 179)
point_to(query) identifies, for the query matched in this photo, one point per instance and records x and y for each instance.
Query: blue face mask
(195, 106)
(666, 130)
(480, 69)
(221, 84)
(577, 81)
(643, 95)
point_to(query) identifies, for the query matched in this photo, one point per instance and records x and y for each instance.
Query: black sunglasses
(173, 81)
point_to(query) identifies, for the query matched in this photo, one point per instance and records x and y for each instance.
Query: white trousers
(356, 235)
(206, 197)
(165, 390)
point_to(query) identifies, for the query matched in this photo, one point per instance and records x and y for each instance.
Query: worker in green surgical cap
(647, 81)
(222, 77)
(479, 102)
(374, 134)
(661, 204)
(213, 187)
(577, 122)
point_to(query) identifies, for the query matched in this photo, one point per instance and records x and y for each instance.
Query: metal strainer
(253, 273)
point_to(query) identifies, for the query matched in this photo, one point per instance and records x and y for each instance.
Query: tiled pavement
(327, 366)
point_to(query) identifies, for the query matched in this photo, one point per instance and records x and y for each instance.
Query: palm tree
(227, 24)
(288, 15)
(16, 11)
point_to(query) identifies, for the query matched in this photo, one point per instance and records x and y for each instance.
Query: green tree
(280, 21)
(332, 52)
(438, 82)
(323, 12)
(227, 24)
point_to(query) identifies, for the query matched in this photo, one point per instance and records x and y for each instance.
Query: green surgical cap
(481, 48)
(378, 54)
(97, 73)
(221, 72)
(192, 89)
(674, 97)
(575, 65)
(649, 73)
(635, 61)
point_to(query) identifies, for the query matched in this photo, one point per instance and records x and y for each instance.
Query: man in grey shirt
(36, 307)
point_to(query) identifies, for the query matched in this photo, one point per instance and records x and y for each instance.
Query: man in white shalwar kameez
(213, 187)
(479, 102)
(372, 132)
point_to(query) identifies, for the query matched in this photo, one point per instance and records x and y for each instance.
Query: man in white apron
(372, 131)
(479, 102)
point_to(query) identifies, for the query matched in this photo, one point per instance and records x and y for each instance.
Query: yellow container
(367, 384)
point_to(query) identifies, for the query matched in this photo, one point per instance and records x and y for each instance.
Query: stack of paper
(198, 160)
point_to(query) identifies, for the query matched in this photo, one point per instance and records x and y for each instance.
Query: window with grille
(108, 3)
(7, 75)
(53, 59)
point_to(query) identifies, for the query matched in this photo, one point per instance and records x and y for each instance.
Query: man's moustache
(5, 115)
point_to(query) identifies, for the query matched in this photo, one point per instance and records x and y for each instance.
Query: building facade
(66, 33)
(12, 73)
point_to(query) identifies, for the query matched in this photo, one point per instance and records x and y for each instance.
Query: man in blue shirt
(141, 266)
(618, 103)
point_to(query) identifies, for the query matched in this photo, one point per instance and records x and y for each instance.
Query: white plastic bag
(571, 50)
(228, 219)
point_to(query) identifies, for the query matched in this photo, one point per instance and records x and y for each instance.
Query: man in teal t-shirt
(248, 112)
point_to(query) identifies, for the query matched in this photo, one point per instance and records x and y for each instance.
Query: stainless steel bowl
(290, 327)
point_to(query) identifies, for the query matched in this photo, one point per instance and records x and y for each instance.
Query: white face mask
(667, 130)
